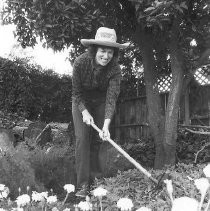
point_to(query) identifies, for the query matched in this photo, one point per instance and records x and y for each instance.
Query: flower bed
(183, 187)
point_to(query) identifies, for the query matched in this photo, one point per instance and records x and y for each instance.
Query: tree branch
(196, 126)
(203, 147)
(198, 132)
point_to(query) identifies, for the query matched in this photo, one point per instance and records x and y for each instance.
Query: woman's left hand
(104, 134)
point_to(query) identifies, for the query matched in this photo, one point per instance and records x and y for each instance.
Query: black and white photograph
(104, 105)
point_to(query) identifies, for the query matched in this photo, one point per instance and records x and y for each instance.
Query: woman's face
(104, 55)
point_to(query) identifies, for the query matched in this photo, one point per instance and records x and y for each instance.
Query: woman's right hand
(87, 118)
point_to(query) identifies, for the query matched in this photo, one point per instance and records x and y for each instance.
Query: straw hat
(104, 36)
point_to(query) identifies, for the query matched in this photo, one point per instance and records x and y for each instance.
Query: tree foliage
(62, 23)
(59, 22)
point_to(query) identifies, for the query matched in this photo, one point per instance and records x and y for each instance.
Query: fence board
(138, 116)
(131, 118)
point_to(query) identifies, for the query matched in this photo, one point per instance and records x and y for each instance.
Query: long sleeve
(113, 91)
(77, 86)
(86, 86)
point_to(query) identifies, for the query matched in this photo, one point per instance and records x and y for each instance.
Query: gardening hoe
(126, 155)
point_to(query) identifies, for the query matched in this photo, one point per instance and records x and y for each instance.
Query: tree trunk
(170, 134)
(164, 128)
(156, 114)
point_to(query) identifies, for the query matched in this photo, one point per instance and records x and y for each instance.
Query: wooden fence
(131, 118)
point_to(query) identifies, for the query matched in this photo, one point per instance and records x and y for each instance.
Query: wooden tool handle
(126, 155)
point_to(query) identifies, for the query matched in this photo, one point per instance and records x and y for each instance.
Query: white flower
(44, 194)
(169, 186)
(190, 178)
(124, 204)
(185, 204)
(55, 209)
(193, 42)
(18, 209)
(85, 206)
(37, 196)
(52, 199)
(69, 188)
(1, 209)
(66, 209)
(99, 192)
(23, 200)
(2, 187)
(5, 194)
(4, 191)
(144, 209)
(87, 198)
(206, 170)
(27, 188)
(202, 184)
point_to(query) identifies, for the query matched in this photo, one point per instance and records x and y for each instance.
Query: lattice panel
(202, 75)
(164, 83)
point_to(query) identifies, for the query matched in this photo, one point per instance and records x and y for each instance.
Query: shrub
(143, 151)
(54, 166)
(188, 144)
(33, 92)
(16, 172)
(48, 168)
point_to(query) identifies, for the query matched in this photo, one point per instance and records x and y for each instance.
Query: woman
(96, 86)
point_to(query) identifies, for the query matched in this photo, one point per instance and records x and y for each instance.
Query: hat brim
(88, 42)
